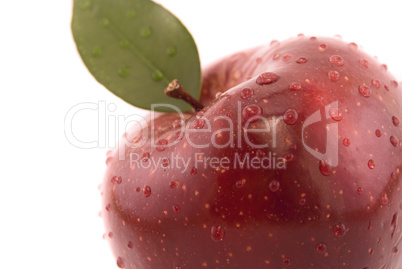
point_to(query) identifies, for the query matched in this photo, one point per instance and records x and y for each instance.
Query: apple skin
(307, 215)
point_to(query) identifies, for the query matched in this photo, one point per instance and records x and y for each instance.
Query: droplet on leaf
(157, 75)
(146, 32)
(124, 71)
(171, 51)
(131, 13)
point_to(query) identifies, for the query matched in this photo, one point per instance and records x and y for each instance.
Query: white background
(49, 200)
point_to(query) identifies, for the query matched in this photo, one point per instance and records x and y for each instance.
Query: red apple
(296, 165)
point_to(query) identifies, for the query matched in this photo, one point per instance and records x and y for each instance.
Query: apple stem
(175, 90)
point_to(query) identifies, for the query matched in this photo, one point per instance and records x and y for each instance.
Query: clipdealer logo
(112, 126)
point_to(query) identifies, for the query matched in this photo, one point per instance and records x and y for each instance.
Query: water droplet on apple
(353, 45)
(336, 60)
(371, 164)
(274, 185)
(267, 78)
(384, 199)
(165, 162)
(339, 230)
(295, 86)
(161, 144)
(178, 135)
(252, 113)
(157, 75)
(171, 51)
(286, 261)
(394, 224)
(321, 247)
(146, 32)
(364, 90)
(290, 116)
(324, 168)
(199, 124)
(108, 207)
(217, 233)
(286, 57)
(395, 121)
(288, 157)
(130, 244)
(394, 141)
(346, 142)
(138, 189)
(364, 63)
(376, 83)
(194, 171)
(378, 133)
(394, 83)
(395, 250)
(359, 190)
(384, 67)
(334, 113)
(110, 234)
(199, 114)
(145, 156)
(322, 47)
(302, 60)
(246, 93)
(147, 191)
(116, 180)
(177, 123)
(176, 208)
(109, 160)
(302, 201)
(334, 75)
(240, 183)
(173, 184)
(274, 43)
(120, 262)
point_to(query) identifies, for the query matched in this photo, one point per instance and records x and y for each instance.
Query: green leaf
(135, 48)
